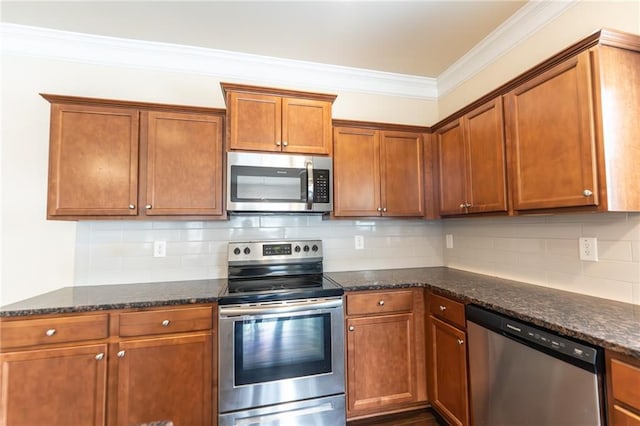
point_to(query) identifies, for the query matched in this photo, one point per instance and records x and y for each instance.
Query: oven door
(280, 352)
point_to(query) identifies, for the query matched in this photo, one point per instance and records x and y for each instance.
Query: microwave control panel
(321, 186)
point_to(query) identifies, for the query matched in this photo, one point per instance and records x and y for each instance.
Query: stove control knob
(247, 250)
(297, 249)
(314, 247)
(306, 248)
(236, 251)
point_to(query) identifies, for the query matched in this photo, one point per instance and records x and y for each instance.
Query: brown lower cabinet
(385, 352)
(117, 368)
(623, 389)
(447, 354)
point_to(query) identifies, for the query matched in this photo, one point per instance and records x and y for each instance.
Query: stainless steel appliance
(524, 375)
(258, 182)
(281, 337)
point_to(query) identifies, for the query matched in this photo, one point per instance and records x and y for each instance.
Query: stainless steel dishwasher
(524, 375)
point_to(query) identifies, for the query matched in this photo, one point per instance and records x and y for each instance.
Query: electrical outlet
(449, 240)
(359, 242)
(159, 248)
(588, 249)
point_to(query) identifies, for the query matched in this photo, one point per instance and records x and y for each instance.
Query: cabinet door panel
(402, 189)
(356, 172)
(486, 158)
(452, 164)
(65, 386)
(183, 168)
(165, 379)
(380, 362)
(551, 138)
(255, 122)
(306, 126)
(93, 161)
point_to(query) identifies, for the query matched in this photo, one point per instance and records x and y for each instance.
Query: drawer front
(624, 417)
(379, 302)
(625, 381)
(163, 321)
(447, 309)
(30, 332)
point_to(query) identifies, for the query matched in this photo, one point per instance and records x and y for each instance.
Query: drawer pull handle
(50, 332)
(351, 328)
(121, 354)
(100, 356)
(443, 308)
(587, 193)
(165, 323)
(460, 341)
(381, 303)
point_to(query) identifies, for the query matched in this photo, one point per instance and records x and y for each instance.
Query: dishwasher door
(523, 375)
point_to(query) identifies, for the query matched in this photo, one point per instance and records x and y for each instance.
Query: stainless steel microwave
(258, 182)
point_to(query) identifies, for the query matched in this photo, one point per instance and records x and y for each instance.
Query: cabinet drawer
(447, 309)
(164, 321)
(53, 330)
(624, 417)
(624, 380)
(379, 302)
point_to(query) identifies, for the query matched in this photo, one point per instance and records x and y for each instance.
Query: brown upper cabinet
(377, 172)
(471, 160)
(277, 120)
(572, 131)
(111, 159)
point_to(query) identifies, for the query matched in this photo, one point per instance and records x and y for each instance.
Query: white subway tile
(615, 250)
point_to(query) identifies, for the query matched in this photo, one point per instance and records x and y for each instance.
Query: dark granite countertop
(117, 296)
(606, 323)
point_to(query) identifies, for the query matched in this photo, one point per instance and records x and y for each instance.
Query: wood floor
(414, 418)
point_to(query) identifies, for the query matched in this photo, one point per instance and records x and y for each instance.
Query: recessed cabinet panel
(402, 190)
(306, 127)
(256, 122)
(453, 169)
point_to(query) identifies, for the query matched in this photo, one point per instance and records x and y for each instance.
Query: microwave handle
(309, 185)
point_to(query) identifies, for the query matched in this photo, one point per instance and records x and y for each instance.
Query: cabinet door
(452, 164)
(165, 379)
(381, 369)
(306, 126)
(64, 386)
(356, 172)
(551, 139)
(486, 175)
(181, 165)
(255, 122)
(402, 189)
(93, 161)
(449, 369)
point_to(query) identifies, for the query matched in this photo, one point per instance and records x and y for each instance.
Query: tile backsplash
(113, 252)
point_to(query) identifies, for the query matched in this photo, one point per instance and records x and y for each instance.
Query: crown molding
(521, 25)
(240, 67)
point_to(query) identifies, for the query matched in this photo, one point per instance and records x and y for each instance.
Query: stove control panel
(274, 250)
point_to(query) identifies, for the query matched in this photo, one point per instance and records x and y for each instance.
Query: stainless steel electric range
(281, 337)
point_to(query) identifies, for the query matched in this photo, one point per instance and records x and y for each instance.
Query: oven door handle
(306, 305)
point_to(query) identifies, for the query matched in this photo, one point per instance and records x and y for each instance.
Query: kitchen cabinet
(471, 162)
(277, 120)
(377, 172)
(50, 364)
(385, 352)
(447, 353)
(623, 389)
(113, 159)
(572, 131)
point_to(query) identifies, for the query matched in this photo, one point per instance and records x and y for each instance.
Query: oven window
(280, 348)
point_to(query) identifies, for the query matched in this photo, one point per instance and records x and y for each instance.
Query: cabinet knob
(467, 205)
(462, 205)
(121, 354)
(384, 209)
(443, 308)
(285, 143)
(278, 143)
(460, 341)
(351, 328)
(148, 207)
(50, 332)
(379, 209)
(587, 193)
(132, 206)
(100, 356)
(381, 303)
(165, 323)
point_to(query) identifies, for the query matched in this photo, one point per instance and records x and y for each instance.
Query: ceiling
(421, 38)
